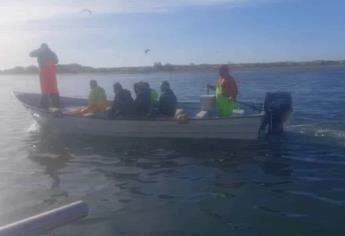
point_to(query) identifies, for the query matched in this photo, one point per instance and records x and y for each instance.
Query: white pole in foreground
(46, 221)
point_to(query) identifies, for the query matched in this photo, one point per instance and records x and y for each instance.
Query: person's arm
(162, 103)
(34, 53)
(159, 103)
(175, 101)
(92, 98)
(55, 58)
(112, 110)
(139, 103)
(212, 87)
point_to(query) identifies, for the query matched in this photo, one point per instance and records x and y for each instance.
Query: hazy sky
(176, 31)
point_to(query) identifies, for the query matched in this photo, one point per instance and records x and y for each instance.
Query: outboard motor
(277, 107)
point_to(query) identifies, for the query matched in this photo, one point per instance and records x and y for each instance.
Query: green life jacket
(225, 106)
(97, 96)
(153, 96)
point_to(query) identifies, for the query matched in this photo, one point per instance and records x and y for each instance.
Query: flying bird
(87, 11)
(147, 51)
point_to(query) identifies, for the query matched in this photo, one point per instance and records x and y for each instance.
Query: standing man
(47, 61)
(226, 92)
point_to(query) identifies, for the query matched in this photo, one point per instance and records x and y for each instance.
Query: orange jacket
(48, 79)
(227, 82)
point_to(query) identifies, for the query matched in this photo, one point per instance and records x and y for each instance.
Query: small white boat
(241, 126)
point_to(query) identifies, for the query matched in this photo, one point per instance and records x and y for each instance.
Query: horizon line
(190, 64)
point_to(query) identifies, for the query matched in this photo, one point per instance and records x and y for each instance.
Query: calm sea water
(292, 185)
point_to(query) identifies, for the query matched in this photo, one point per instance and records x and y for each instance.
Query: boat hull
(236, 128)
(242, 127)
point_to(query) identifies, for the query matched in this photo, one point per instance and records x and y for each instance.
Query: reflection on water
(50, 155)
(177, 186)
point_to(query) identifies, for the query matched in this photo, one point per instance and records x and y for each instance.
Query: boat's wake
(320, 132)
(34, 128)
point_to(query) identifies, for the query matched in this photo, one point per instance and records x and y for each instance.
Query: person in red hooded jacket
(47, 61)
(226, 92)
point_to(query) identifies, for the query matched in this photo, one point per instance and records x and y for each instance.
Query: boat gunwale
(37, 109)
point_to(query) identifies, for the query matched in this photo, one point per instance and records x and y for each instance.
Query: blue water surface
(289, 185)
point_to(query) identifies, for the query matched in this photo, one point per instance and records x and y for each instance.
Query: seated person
(142, 101)
(123, 104)
(97, 100)
(153, 99)
(167, 101)
(153, 94)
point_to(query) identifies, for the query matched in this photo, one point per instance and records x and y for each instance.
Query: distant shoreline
(159, 67)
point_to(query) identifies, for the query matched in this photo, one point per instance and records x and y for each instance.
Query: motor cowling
(277, 107)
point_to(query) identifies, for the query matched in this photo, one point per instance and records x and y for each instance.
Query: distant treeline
(159, 67)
